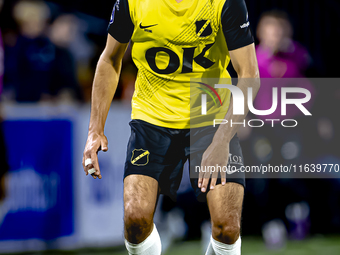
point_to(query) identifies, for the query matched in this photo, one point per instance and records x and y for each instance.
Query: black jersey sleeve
(235, 24)
(121, 26)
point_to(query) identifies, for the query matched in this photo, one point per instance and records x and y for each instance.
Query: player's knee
(138, 222)
(226, 232)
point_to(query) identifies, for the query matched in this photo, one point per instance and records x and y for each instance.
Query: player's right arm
(104, 87)
(105, 82)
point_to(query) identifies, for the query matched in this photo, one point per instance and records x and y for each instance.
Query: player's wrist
(98, 132)
(96, 128)
(220, 141)
(222, 135)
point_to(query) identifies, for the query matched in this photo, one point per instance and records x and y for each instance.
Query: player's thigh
(140, 196)
(225, 205)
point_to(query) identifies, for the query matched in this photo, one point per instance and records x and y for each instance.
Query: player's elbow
(106, 60)
(252, 76)
(251, 71)
(254, 73)
(256, 82)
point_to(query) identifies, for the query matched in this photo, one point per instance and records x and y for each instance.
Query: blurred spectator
(37, 67)
(64, 81)
(29, 60)
(278, 55)
(70, 33)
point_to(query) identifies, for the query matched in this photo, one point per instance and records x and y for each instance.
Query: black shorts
(161, 152)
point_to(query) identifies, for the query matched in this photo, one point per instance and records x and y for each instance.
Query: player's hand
(95, 142)
(215, 155)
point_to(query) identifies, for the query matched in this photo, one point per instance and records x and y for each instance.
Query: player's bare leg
(140, 198)
(225, 206)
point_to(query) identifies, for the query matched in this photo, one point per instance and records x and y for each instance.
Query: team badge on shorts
(140, 157)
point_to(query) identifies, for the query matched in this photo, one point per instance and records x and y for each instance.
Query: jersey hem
(174, 125)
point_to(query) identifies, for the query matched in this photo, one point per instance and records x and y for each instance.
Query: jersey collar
(179, 8)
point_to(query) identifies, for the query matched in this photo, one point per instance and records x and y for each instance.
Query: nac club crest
(140, 157)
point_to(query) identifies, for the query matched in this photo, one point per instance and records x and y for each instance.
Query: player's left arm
(240, 42)
(245, 64)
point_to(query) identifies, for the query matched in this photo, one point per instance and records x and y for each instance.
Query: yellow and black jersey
(174, 42)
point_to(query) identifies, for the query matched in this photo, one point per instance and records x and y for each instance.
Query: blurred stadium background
(48, 54)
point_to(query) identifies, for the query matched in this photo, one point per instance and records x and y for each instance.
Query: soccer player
(173, 41)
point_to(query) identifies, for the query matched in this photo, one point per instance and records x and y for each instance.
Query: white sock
(218, 248)
(150, 246)
(210, 250)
